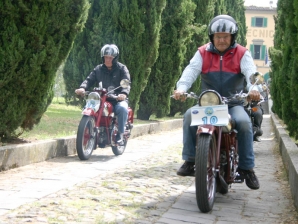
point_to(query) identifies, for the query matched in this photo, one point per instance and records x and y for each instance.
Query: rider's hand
(121, 97)
(80, 91)
(254, 95)
(179, 95)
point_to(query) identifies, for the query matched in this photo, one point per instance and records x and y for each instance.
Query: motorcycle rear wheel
(86, 138)
(118, 149)
(205, 174)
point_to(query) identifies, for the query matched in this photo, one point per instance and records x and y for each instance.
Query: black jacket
(110, 78)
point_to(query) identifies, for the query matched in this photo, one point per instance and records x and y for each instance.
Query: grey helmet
(109, 50)
(223, 24)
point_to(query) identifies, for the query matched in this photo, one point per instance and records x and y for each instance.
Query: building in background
(260, 35)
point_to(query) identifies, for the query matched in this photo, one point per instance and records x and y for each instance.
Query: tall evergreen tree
(36, 37)
(220, 7)
(198, 37)
(276, 55)
(284, 65)
(236, 9)
(289, 112)
(176, 20)
(134, 26)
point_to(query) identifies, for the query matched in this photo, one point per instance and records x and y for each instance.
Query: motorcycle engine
(102, 137)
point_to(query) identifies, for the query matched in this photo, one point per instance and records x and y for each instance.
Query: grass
(61, 120)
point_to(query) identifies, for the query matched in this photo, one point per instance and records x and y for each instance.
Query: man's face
(108, 61)
(222, 41)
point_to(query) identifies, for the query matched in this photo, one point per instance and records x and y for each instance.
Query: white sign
(216, 115)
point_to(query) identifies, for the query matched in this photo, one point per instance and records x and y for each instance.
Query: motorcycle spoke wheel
(117, 148)
(86, 140)
(205, 173)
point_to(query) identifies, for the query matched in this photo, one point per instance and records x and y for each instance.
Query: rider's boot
(119, 138)
(250, 178)
(257, 133)
(187, 169)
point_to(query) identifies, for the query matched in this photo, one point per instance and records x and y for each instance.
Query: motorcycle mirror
(257, 78)
(124, 83)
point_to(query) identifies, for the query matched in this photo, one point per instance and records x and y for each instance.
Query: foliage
(284, 65)
(176, 20)
(198, 37)
(35, 37)
(236, 9)
(59, 120)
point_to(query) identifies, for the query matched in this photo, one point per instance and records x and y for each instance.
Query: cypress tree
(236, 9)
(220, 7)
(276, 55)
(176, 20)
(36, 37)
(284, 67)
(289, 69)
(198, 37)
(134, 26)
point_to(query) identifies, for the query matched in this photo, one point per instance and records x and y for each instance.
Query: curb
(289, 153)
(17, 155)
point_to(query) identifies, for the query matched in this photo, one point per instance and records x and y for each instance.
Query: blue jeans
(244, 136)
(121, 111)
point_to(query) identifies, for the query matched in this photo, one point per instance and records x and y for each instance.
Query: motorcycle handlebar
(112, 96)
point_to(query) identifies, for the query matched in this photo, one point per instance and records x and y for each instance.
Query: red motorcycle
(216, 159)
(99, 126)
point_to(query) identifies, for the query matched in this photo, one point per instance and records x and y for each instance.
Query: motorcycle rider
(223, 65)
(110, 73)
(257, 111)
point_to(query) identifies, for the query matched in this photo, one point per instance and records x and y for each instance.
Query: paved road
(141, 186)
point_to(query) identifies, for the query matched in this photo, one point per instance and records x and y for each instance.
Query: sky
(264, 3)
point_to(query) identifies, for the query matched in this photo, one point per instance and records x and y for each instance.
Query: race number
(216, 115)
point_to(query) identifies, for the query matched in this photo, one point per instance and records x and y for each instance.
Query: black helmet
(223, 24)
(109, 50)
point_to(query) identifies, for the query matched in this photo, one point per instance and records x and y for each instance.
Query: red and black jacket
(222, 72)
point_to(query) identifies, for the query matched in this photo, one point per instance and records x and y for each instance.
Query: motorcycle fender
(88, 112)
(207, 129)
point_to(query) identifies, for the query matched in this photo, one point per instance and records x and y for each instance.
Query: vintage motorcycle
(216, 159)
(251, 107)
(99, 126)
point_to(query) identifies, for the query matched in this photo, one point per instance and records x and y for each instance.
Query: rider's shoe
(257, 139)
(250, 177)
(187, 169)
(119, 138)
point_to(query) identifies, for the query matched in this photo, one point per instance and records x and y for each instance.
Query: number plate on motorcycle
(215, 115)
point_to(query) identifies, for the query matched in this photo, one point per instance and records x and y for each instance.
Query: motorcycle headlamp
(93, 96)
(209, 98)
(93, 101)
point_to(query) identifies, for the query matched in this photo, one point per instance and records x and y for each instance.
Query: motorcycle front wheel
(86, 141)
(118, 149)
(205, 172)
